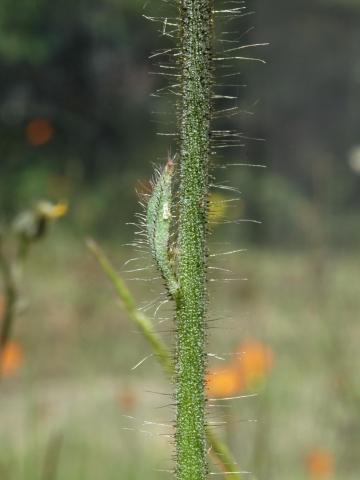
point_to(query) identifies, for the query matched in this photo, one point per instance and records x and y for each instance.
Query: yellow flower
(218, 207)
(52, 211)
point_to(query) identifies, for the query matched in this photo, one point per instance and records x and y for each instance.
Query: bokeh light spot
(39, 131)
(11, 359)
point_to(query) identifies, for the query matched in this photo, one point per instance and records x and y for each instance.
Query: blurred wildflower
(32, 224)
(39, 131)
(224, 382)
(127, 399)
(319, 463)
(52, 210)
(255, 361)
(11, 359)
(217, 207)
(248, 370)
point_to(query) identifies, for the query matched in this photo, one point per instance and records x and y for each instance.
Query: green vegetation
(162, 352)
(28, 228)
(196, 69)
(75, 377)
(82, 395)
(81, 67)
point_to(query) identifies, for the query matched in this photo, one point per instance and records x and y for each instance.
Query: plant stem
(141, 321)
(195, 112)
(10, 301)
(11, 272)
(52, 457)
(219, 449)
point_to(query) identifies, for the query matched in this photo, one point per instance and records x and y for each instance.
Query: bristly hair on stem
(159, 219)
(162, 353)
(178, 237)
(185, 270)
(196, 69)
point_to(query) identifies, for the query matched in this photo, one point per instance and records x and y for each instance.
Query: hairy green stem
(219, 449)
(196, 29)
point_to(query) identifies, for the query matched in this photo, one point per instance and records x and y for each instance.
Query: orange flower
(319, 463)
(255, 360)
(11, 359)
(251, 365)
(39, 131)
(127, 399)
(225, 382)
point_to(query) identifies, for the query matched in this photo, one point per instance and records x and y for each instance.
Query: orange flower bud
(11, 359)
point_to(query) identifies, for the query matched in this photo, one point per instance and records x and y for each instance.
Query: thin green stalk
(11, 270)
(196, 31)
(219, 449)
(50, 468)
(141, 321)
(10, 295)
(28, 227)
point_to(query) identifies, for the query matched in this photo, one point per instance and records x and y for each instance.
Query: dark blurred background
(77, 124)
(76, 109)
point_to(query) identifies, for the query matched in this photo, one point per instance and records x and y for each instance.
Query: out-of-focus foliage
(76, 125)
(75, 107)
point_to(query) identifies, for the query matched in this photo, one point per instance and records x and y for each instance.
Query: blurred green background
(77, 123)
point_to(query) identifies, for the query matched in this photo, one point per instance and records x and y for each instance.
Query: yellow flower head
(217, 207)
(52, 211)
